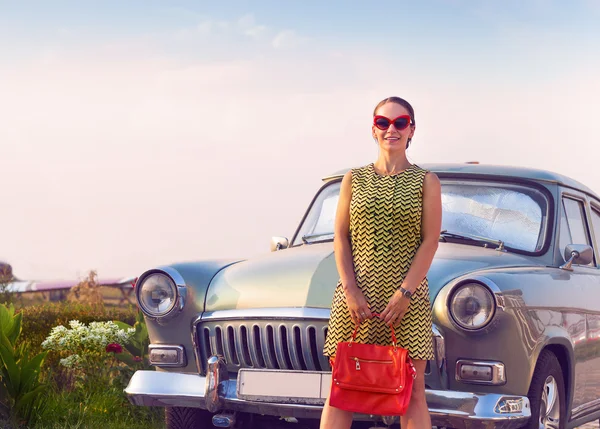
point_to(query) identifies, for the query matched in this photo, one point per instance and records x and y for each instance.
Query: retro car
(515, 295)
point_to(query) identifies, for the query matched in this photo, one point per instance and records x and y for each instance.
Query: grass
(100, 407)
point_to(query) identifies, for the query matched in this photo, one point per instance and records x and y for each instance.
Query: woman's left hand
(396, 309)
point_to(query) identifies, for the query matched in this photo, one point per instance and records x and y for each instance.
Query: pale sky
(154, 132)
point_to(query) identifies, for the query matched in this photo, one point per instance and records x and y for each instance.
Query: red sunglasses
(383, 123)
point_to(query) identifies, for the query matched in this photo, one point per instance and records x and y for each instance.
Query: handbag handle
(394, 341)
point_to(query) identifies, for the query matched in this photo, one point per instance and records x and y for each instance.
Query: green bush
(99, 404)
(19, 375)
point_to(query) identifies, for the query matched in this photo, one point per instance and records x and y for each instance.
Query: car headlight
(157, 295)
(472, 306)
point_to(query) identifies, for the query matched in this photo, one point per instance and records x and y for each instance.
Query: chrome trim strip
(496, 292)
(447, 408)
(276, 313)
(439, 349)
(174, 274)
(498, 372)
(197, 349)
(181, 357)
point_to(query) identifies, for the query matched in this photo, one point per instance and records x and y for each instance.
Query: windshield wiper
(445, 233)
(306, 238)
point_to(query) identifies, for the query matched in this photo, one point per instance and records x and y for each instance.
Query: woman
(387, 228)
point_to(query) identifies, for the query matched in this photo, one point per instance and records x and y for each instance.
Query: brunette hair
(401, 102)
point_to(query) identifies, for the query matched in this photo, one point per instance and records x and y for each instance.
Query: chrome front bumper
(447, 408)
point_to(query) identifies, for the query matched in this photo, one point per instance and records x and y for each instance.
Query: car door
(581, 301)
(592, 395)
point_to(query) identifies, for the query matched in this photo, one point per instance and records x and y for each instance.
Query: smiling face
(393, 139)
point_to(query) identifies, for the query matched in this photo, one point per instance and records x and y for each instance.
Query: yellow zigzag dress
(385, 233)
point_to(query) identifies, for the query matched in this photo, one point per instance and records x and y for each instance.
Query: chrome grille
(268, 344)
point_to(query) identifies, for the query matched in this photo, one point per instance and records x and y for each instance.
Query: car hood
(306, 276)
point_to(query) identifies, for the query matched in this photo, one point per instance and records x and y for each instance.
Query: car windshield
(514, 214)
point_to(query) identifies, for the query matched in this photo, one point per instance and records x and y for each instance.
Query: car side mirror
(580, 254)
(278, 243)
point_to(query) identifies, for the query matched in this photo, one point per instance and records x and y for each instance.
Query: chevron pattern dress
(385, 232)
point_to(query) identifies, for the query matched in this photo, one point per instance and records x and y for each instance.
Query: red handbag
(372, 379)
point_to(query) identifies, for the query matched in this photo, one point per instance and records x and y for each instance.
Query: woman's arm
(355, 299)
(431, 224)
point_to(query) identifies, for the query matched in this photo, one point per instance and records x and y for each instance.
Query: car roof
(476, 169)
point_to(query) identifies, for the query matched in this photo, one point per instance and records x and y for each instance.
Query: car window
(573, 226)
(514, 214)
(596, 226)
(319, 222)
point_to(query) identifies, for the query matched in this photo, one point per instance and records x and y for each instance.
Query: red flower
(114, 348)
(137, 359)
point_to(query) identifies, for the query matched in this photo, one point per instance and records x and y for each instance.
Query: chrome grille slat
(217, 341)
(256, 353)
(239, 345)
(291, 346)
(321, 335)
(227, 351)
(283, 348)
(307, 348)
(269, 347)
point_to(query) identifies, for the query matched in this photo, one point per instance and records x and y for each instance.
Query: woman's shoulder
(419, 169)
(423, 172)
(427, 177)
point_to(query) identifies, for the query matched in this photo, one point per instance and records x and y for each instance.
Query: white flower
(70, 361)
(74, 324)
(85, 339)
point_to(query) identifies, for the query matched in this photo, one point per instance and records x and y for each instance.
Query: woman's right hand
(357, 304)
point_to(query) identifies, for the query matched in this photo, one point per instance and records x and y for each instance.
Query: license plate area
(283, 386)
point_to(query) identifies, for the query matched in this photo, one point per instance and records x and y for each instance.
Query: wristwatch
(406, 293)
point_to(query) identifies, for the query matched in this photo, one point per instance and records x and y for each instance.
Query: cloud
(288, 39)
(249, 27)
(203, 28)
(243, 27)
